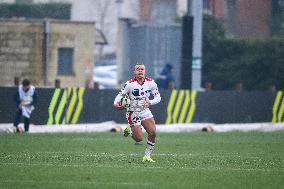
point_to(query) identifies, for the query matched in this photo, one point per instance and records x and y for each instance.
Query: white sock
(149, 148)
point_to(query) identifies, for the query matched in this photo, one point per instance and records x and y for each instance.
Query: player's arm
(156, 94)
(117, 101)
(34, 98)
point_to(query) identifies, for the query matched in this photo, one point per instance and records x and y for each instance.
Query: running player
(138, 114)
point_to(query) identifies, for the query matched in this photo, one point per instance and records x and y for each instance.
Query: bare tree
(102, 7)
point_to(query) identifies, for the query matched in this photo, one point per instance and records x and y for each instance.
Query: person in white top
(25, 98)
(138, 90)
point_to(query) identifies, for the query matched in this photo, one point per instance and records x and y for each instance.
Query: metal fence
(153, 45)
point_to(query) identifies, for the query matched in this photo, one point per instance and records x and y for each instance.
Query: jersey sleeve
(124, 90)
(155, 92)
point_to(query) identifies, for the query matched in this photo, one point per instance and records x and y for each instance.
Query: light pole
(195, 8)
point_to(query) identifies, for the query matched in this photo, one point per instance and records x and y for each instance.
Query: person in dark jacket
(166, 79)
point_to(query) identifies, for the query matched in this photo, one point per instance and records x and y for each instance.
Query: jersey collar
(139, 81)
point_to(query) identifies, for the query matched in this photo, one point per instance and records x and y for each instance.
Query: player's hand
(118, 106)
(147, 103)
(21, 104)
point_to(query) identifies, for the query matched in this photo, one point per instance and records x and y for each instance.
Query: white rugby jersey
(138, 93)
(26, 97)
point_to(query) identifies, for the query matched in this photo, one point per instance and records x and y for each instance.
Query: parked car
(105, 74)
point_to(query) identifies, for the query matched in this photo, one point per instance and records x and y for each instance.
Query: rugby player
(138, 90)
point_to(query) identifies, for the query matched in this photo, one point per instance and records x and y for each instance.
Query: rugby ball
(125, 101)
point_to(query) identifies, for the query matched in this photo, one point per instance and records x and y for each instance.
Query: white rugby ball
(125, 101)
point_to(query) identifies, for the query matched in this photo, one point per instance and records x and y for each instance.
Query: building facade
(242, 19)
(47, 51)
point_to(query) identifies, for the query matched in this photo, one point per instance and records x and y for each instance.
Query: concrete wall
(21, 51)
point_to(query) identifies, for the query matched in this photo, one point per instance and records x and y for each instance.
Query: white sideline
(279, 171)
(172, 128)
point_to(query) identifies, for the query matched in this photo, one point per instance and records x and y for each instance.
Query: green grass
(108, 160)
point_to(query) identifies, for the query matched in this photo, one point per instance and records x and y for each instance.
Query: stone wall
(21, 51)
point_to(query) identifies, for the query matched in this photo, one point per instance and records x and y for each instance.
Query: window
(65, 61)
(207, 9)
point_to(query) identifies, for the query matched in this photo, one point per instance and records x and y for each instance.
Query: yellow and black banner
(65, 106)
(80, 105)
(278, 108)
(181, 106)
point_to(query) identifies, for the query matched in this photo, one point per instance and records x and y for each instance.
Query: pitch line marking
(79, 182)
(142, 167)
(134, 154)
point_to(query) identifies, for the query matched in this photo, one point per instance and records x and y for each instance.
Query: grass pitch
(108, 160)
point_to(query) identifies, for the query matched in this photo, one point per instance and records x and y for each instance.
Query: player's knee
(138, 139)
(152, 134)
